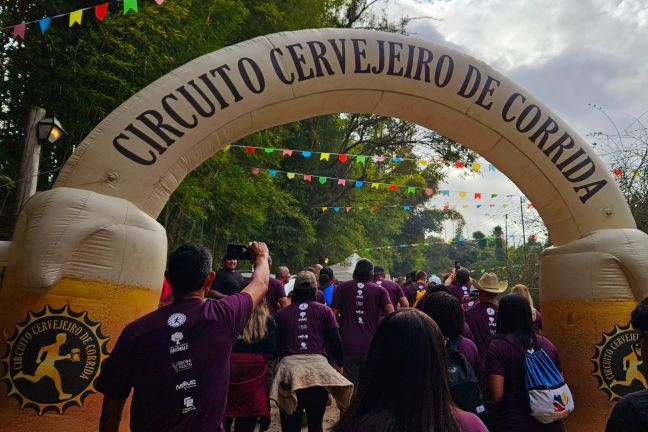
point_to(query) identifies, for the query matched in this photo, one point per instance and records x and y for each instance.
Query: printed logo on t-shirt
(182, 365)
(177, 319)
(303, 306)
(378, 282)
(359, 294)
(185, 385)
(302, 317)
(360, 321)
(188, 405)
(490, 311)
(359, 303)
(302, 346)
(302, 327)
(177, 337)
(360, 285)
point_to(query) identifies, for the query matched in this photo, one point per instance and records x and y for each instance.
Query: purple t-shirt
(462, 293)
(275, 292)
(375, 422)
(469, 350)
(506, 358)
(177, 361)
(302, 328)
(361, 305)
(393, 289)
(482, 320)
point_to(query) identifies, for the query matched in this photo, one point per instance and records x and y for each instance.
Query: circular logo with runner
(303, 306)
(490, 311)
(53, 359)
(360, 285)
(617, 363)
(177, 319)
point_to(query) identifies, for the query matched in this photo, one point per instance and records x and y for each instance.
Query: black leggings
(241, 424)
(313, 401)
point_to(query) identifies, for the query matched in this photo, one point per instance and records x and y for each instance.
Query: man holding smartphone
(177, 358)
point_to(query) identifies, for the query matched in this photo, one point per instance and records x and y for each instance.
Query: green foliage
(84, 73)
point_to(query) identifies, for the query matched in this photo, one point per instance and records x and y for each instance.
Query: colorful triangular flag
(19, 31)
(130, 4)
(44, 24)
(76, 17)
(100, 11)
(325, 156)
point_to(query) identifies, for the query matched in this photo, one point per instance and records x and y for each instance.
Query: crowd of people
(423, 355)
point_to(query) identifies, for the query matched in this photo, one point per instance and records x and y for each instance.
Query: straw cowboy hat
(489, 283)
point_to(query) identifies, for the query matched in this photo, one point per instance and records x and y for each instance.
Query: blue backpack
(549, 396)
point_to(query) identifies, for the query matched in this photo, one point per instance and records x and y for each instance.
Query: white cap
(436, 280)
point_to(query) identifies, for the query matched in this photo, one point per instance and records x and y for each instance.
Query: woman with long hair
(536, 316)
(247, 398)
(505, 367)
(404, 386)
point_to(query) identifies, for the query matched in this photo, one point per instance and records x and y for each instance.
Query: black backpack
(464, 385)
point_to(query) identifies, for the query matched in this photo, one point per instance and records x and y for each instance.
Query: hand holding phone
(238, 252)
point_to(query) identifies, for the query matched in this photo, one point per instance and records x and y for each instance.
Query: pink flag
(287, 153)
(256, 170)
(307, 177)
(19, 31)
(348, 209)
(428, 191)
(342, 182)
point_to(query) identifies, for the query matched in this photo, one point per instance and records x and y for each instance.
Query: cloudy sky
(568, 53)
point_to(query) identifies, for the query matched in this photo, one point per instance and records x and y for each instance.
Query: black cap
(378, 270)
(327, 271)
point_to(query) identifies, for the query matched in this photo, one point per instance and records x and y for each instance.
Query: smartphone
(237, 252)
(457, 265)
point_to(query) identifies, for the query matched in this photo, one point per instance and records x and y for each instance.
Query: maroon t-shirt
(361, 305)
(462, 293)
(506, 358)
(393, 289)
(302, 328)
(482, 320)
(177, 361)
(275, 292)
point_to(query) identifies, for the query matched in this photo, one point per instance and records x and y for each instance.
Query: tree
(626, 150)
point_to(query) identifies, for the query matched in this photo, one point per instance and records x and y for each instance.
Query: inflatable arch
(88, 256)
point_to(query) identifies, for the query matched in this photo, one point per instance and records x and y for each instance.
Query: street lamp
(50, 129)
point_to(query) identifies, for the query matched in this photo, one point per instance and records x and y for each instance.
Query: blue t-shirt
(328, 294)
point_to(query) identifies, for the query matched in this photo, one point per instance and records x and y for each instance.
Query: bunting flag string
(311, 178)
(75, 17)
(432, 243)
(410, 207)
(362, 159)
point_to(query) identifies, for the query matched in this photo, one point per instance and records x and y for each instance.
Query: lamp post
(40, 129)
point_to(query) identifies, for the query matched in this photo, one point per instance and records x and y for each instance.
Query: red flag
(19, 31)
(477, 195)
(458, 164)
(393, 187)
(618, 172)
(446, 207)
(529, 205)
(249, 149)
(374, 208)
(343, 158)
(307, 177)
(100, 11)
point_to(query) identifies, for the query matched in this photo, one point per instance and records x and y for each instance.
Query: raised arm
(258, 286)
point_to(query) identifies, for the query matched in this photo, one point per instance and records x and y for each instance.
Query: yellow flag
(476, 166)
(324, 209)
(375, 185)
(325, 156)
(75, 17)
(462, 194)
